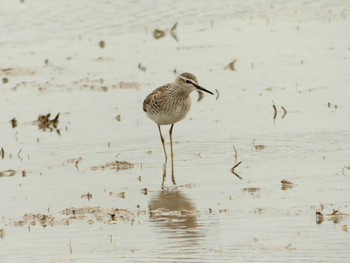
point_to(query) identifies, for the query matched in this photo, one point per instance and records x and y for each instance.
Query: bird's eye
(188, 81)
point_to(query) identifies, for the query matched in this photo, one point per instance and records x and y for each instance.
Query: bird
(170, 104)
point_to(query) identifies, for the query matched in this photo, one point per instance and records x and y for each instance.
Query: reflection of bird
(170, 103)
(173, 205)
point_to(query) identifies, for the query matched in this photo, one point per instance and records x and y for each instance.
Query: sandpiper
(170, 103)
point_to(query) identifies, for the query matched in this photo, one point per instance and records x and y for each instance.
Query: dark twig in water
(2, 153)
(275, 110)
(76, 164)
(173, 32)
(233, 170)
(19, 154)
(217, 94)
(70, 247)
(236, 153)
(343, 170)
(284, 112)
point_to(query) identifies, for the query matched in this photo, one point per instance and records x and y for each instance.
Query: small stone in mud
(144, 191)
(102, 44)
(118, 118)
(14, 123)
(158, 33)
(5, 80)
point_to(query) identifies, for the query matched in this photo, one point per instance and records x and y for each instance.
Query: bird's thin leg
(172, 153)
(163, 143)
(164, 176)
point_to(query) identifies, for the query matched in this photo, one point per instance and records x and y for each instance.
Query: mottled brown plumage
(170, 103)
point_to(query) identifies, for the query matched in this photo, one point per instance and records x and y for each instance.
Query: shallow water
(90, 189)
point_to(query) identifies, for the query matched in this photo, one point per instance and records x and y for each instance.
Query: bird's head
(190, 82)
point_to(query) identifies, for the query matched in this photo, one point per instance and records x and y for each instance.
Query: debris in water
(141, 67)
(217, 94)
(102, 44)
(14, 123)
(345, 228)
(252, 189)
(88, 196)
(144, 191)
(231, 66)
(117, 165)
(336, 216)
(236, 153)
(158, 33)
(286, 185)
(7, 173)
(19, 154)
(173, 32)
(258, 147)
(77, 162)
(284, 112)
(346, 167)
(233, 170)
(45, 123)
(121, 195)
(200, 95)
(70, 247)
(274, 109)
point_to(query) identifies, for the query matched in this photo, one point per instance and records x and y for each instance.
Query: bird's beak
(203, 89)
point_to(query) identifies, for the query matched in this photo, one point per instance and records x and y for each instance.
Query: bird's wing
(152, 97)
